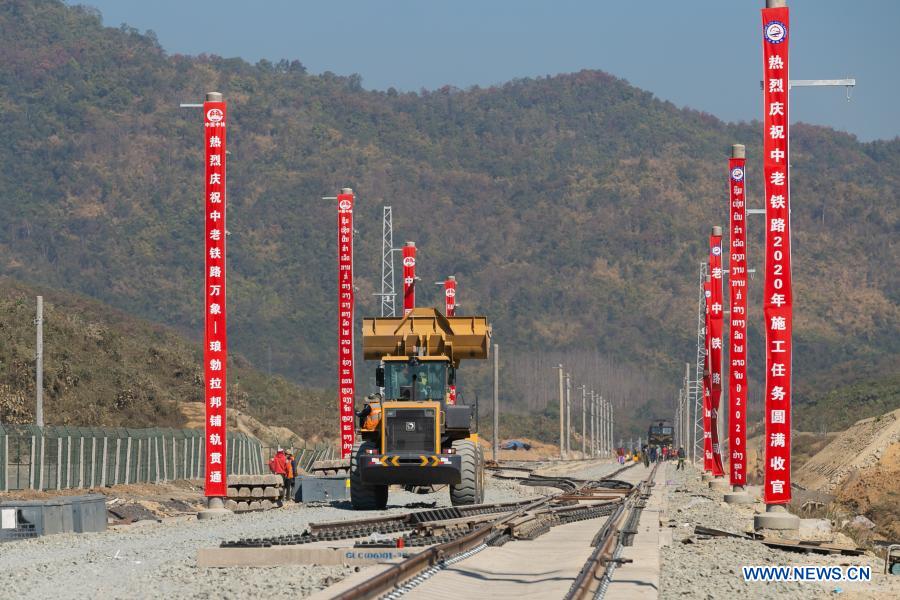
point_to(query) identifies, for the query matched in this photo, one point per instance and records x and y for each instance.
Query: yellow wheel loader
(411, 435)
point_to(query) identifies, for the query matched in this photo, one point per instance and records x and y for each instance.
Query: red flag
(737, 379)
(714, 358)
(777, 297)
(409, 277)
(215, 342)
(346, 299)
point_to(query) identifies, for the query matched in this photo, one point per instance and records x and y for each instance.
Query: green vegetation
(574, 209)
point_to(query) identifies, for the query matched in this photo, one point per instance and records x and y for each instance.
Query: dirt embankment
(861, 469)
(240, 422)
(858, 448)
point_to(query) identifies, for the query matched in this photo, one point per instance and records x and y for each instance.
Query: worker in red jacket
(279, 466)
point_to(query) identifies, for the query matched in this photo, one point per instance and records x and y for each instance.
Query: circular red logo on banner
(215, 115)
(345, 205)
(450, 293)
(409, 261)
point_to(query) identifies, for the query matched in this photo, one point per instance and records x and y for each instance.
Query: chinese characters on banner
(215, 347)
(777, 297)
(409, 277)
(346, 381)
(714, 358)
(450, 310)
(737, 379)
(707, 397)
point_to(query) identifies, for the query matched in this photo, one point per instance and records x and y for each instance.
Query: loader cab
(415, 379)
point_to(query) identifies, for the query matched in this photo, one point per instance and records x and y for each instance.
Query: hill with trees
(573, 209)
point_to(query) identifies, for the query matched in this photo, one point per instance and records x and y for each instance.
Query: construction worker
(278, 466)
(680, 458)
(291, 475)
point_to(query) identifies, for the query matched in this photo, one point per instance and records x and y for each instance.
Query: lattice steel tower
(387, 294)
(696, 389)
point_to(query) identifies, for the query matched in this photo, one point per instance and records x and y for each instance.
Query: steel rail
(398, 574)
(597, 566)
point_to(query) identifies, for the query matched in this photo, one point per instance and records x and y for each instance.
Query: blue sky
(705, 54)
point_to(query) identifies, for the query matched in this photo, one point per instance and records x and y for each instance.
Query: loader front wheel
(365, 496)
(470, 489)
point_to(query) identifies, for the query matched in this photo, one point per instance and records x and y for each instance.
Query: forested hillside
(574, 209)
(104, 367)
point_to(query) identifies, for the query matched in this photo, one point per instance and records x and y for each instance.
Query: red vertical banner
(409, 277)
(777, 295)
(346, 373)
(716, 322)
(707, 392)
(215, 342)
(737, 378)
(450, 310)
(450, 296)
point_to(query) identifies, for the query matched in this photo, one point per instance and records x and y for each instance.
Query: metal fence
(54, 458)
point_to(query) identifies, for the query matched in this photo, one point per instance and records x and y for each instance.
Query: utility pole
(568, 414)
(39, 364)
(686, 417)
(583, 422)
(593, 425)
(495, 452)
(562, 415)
(610, 423)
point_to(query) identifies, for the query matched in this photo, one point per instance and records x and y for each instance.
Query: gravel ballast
(158, 560)
(711, 568)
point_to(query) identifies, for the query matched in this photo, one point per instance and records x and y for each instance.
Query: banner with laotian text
(450, 310)
(777, 296)
(409, 278)
(716, 323)
(737, 374)
(707, 394)
(346, 299)
(215, 341)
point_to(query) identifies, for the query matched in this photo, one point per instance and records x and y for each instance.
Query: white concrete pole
(39, 364)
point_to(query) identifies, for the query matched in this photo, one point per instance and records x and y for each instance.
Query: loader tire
(470, 489)
(364, 496)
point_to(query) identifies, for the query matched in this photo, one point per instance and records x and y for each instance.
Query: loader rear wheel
(365, 496)
(470, 489)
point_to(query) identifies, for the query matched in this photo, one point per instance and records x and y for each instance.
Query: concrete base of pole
(719, 484)
(739, 496)
(776, 517)
(215, 508)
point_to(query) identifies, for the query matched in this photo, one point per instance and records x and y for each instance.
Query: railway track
(451, 541)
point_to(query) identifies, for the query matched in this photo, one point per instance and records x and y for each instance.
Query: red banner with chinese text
(716, 323)
(450, 297)
(707, 395)
(737, 378)
(215, 342)
(777, 296)
(409, 278)
(346, 375)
